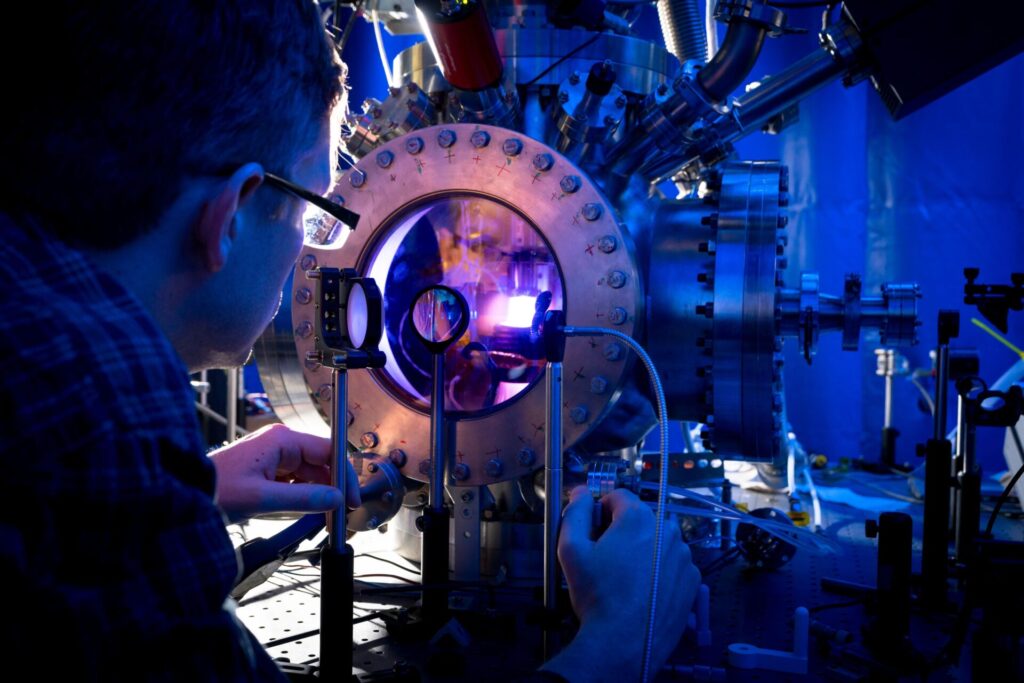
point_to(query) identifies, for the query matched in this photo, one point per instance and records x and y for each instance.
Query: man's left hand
(277, 469)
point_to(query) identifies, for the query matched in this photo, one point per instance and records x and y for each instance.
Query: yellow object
(1000, 338)
(799, 518)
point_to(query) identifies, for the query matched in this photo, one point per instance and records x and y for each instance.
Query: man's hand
(609, 585)
(277, 469)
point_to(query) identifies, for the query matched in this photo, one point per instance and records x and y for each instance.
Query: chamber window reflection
(503, 267)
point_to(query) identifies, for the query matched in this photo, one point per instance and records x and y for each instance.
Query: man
(145, 236)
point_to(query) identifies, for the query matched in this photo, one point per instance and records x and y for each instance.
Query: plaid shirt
(115, 560)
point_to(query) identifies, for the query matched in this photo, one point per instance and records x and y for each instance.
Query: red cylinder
(464, 45)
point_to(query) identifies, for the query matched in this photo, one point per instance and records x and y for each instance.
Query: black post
(935, 544)
(891, 630)
(336, 613)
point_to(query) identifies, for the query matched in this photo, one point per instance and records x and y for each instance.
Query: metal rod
(231, 409)
(220, 419)
(887, 420)
(552, 483)
(438, 457)
(941, 392)
(339, 456)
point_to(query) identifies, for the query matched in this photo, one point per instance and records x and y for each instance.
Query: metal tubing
(682, 27)
(887, 417)
(231, 409)
(552, 483)
(336, 522)
(438, 456)
(734, 60)
(941, 392)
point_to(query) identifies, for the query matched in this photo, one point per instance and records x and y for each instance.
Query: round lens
(357, 315)
(437, 314)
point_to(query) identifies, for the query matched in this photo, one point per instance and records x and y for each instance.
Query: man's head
(149, 142)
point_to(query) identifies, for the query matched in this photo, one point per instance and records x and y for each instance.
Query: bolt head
(304, 329)
(607, 244)
(480, 139)
(526, 457)
(466, 497)
(610, 121)
(368, 440)
(570, 183)
(592, 211)
(543, 162)
(357, 178)
(618, 315)
(461, 471)
(620, 101)
(308, 262)
(424, 467)
(494, 468)
(398, 457)
(616, 279)
(324, 392)
(304, 295)
(512, 147)
(372, 467)
(598, 385)
(385, 158)
(574, 78)
(446, 138)
(613, 351)
(414, 145)
(563, 96)
(579, 414)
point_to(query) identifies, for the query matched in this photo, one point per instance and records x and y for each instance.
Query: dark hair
(145, 93)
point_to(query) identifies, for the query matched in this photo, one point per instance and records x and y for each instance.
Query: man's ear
(216, 228)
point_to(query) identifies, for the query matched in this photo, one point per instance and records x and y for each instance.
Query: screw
(607, 244)
(398, 457)
(598, 385)
(369, 440)
(618, 315)
(480, 138)
(526, 457)
(446, 138)
(616, 279)
(543, 162)
(372, 468)
(424, 468)
(563, 96)
(414, 145)
(570, 183)
(304, 329)
(461, 471)
(613, 351)
(579, 414)
(467, 496)
(357, 178)
(304, 296)
(592, 211)
(385, 158)
(512, 147)
(574, 78)
(308, 262)
(494, 468)
(324, 393)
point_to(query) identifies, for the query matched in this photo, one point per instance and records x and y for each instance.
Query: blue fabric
(112, 552)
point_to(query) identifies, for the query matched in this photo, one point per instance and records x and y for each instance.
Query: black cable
(1009, 487)
(560, 60)
(411, 570)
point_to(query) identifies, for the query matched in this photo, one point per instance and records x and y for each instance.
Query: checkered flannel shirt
(115, 561)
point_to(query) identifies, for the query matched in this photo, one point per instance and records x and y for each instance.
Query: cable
(1009, 487)
(815, 501)
(924, 392)
(380, 47)
(662, 488)
(411, 570)
(558, 61)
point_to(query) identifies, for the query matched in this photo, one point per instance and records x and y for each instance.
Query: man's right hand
(609, 585)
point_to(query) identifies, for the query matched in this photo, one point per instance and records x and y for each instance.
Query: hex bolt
(618, 315)
(304, 295)
(563, 96)
(308, 262)
(616, 279)
(324, 393)
(574, 78)
(304, 329)
(424, 468)
(543, 162)
(592, 211)
(607, 244)
(414, 145)
(369, 440)
(461, 471)
(598, 385)
(372, 468)
(385, 158)
(613, 351)
(398, 457)
(480, 139)
(357, 178)
(446, 138)
(570, 183)
(494, 468)
(526, 457)
(512, 147)
(579, 414)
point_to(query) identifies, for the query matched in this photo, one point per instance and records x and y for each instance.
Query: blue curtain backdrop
(915, 200)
